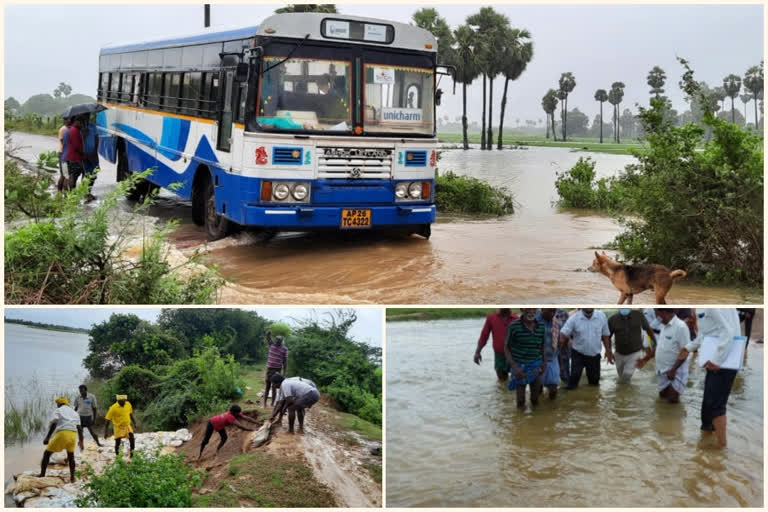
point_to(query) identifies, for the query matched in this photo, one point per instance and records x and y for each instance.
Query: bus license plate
(355, 219)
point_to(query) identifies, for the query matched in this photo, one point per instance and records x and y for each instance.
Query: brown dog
(632, 279)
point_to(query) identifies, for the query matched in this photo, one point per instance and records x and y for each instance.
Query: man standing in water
(85, 405)
(65, 425)
(524, 351)
(277, 361)
(551, 376)
(671, 370)
(627, 328)
(722, 324)
(496, 324)
(121, 415)
(584, 331)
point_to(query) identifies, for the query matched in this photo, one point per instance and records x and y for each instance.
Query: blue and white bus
(306, 121)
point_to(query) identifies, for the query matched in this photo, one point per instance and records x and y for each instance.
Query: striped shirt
(276, 356)
(524, 344)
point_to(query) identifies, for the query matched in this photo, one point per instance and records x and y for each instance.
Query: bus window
(191, 93)
(127, 88)
(114, 88)
(305, 94)
(171, 92)
(104, 88)
(399, 99)
(154, 87)
(136, 88)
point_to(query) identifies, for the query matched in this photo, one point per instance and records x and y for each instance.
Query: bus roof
(291, 25)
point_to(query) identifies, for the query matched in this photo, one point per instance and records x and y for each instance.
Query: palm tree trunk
(618, 123)
(601, 122)
(562, 119)
(464, 116)
(554, 130)
(745, 115)
(482, 128)
(489, 139)
(733, 112)
(547, 123)
(501, 114)
(756, 125)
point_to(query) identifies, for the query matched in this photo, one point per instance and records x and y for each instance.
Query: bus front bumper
(308, 217)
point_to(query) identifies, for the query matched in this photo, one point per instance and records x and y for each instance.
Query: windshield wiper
(289, 55)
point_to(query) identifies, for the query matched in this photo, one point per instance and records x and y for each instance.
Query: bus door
(226, 108)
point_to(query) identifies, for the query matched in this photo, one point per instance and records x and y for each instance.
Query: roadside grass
(375, 471)
(258, 479)
(420, 314)
(253, 375)
(365, 429)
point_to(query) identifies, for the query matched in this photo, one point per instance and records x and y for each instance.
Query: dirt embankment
(336, 458)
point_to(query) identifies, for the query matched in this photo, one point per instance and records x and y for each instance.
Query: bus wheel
(198, 198)
(426, 231)
(217, 226)
(141, 188)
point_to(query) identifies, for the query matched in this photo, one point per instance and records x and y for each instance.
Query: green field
(575, 143)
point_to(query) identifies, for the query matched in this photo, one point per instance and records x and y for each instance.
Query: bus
(306, 121)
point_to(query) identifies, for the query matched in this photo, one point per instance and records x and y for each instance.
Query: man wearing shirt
(121, 415)
(671, 368)
(277, 361)
(296, 394)
(75, 152)
(220, 422)
(85, 405)
(524, 350)
(90, 152)
(627, 328)
(496, 324)
(584, 331)
(551, 376)
(64, 427)
(722, 324)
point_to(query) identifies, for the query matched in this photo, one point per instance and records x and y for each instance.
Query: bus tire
(426, 231)
(216, 226)
(141, 188)
(198, 197)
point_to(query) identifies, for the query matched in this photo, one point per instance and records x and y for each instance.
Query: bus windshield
(399, 99)
(305, 94)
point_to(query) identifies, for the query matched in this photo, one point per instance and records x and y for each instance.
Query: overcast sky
(367, 328)
(599, 44)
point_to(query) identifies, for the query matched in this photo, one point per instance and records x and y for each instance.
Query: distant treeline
(49, 327)
(44, 105)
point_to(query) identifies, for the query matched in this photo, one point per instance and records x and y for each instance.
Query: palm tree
(601, 96)
(466, 68)
(753, 82)
(567, 83)
(326, 8)
(429, 19)
(656, 78)
(561, 95)
(732, 86)
(491, 28)
(517, 54)
(617, 88)
(745, 98)
(549, 105)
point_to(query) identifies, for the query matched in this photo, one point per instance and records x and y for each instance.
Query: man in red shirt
(75, 152)
(220, 423)
(496, 324)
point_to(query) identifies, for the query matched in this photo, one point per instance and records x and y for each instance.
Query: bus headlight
(401, 190)
(414, 190)
(281, 191)
(300, 192)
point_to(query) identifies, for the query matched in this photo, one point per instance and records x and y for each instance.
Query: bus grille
(353, 163)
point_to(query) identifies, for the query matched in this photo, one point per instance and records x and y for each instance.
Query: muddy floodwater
(538, 255)
(456, 439)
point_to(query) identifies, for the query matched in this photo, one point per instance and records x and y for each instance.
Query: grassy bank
(258, 479)
(405, 314)
(456, 193)
(575, 143)
(47, 327)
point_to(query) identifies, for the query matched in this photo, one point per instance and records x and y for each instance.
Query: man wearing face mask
(496, 324)
(524, 350)
(627, 328)
(584, 331)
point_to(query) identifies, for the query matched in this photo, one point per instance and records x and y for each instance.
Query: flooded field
(539, 254)
(456, 439)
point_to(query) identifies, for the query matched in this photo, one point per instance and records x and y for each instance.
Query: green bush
(144, 481)
(80, 258)
(140, 384)
(28, 194)
(465, 194)
(578, 188)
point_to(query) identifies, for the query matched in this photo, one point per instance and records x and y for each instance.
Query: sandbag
(258, 438)
(27, 482)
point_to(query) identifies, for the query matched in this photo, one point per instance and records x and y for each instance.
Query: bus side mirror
(241, 72)
(438, 95)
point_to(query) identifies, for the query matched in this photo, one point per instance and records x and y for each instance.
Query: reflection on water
(456, 439)
(539, 254)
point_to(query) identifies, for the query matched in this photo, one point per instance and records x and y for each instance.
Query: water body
(39, 363)
(456, 439)
(538, 255)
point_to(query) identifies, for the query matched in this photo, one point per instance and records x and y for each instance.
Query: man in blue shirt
(90, 148)
(551, 377)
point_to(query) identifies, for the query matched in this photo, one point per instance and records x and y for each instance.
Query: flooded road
(456, 439)
(538, 255)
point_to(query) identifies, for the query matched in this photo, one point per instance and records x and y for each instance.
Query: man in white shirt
(671, 370)
(583, 332)
(722, 324)
(296, 394)
(64, 427)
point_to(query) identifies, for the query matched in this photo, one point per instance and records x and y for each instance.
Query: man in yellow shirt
(121, 415)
